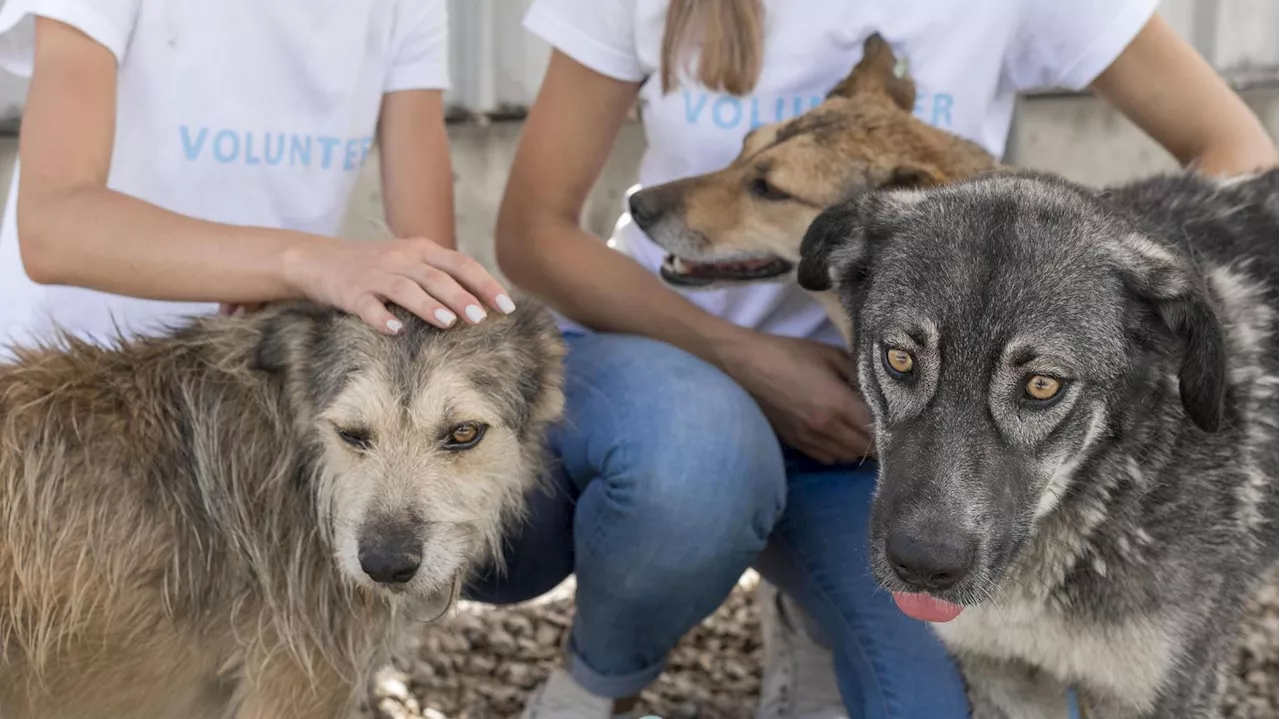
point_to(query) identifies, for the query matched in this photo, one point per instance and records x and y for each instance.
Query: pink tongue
(926, 608)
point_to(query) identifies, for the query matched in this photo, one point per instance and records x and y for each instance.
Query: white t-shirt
(247, 112)
(968, 60)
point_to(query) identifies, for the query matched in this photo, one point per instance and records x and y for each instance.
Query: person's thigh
(889, 666)
(680, 480)
(667, 482)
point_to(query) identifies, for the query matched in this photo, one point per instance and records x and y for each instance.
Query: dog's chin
(428, 606)
(423, 599)
(706, 275)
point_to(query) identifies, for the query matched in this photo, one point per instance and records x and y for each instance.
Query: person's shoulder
(600, 34)
(110, 23)
(1066, 45)
(420, 56)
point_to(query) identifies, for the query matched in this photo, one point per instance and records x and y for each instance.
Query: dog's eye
(761, 188)
(465, 436)
(357, 438)
(898, 362)
(1043, 388)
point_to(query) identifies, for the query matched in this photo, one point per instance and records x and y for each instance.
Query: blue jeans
(670, 484)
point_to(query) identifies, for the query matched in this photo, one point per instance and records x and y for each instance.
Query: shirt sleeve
(421, 54)
(108, 22)
(1068, 44)
(600, 34)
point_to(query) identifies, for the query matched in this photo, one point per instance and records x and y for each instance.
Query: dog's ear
(915, 175)
(835, 241)
(1166, 280)
(286, 335)
(877, 73)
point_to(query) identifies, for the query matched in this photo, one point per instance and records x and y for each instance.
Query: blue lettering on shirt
(328, 143)
(249, 157)
(300, 151)
(226, 147)
(356, 150)
(273, 158)
(244, 147)
(191, 148)
(728, 112)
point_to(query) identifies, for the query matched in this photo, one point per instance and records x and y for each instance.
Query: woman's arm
(76, 231)
(800, 385)
(540, 244)
(417, 173)
(1170, 91)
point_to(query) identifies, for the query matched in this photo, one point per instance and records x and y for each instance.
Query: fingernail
(475, 314)
(446, 317)
(395, 326)
(505, 304)
(239, 312)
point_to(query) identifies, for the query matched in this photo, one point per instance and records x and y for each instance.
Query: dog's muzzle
(687, 273)
(390, 565)
(390, 551)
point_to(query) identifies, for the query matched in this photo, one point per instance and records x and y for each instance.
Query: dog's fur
(744, 223)
(1113, 532)
(183, 530)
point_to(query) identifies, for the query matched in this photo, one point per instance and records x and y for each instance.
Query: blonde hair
(729, 37)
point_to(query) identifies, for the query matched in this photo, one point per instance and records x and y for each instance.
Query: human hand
(433, 282)
(803, 388)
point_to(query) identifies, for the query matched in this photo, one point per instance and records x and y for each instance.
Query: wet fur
(863, 136)
(169, 508)
(1119, 531)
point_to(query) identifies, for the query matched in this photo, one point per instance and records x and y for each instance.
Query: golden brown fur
(745, 222)
(172, 508)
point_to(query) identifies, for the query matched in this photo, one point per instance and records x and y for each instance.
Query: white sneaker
(560, 697)
(799, 674)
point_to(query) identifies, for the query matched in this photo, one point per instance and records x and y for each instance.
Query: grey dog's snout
(391, 554)
(930, 558)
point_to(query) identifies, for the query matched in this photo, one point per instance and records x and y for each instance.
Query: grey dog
(1074, 393)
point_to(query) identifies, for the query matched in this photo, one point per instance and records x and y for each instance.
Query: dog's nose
(643, 210)
(935, 560)
(389, 565)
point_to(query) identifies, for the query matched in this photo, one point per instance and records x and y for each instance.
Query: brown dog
(744, 223)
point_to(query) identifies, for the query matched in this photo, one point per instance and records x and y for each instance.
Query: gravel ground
(481, 662)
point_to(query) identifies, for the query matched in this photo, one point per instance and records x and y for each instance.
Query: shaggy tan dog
(239, 518)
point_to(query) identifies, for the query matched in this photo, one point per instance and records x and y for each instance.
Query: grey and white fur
(241, 518)
(1074, 393)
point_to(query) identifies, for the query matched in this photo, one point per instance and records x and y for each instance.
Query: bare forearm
(417, 173)
(603, 289)
(1249, 151)
(426, 209)
(108, 241)
(1166, 88)
(541, 247)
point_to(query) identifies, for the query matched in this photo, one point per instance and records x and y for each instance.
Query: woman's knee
(678, 444)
